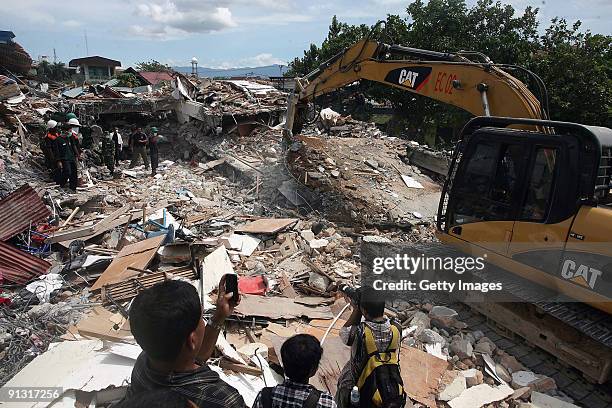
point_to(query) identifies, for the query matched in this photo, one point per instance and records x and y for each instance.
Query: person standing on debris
(139, 148)
(153, 150)
(373, 371)
(166, 321)
(66, 154)
(108, 152)
(301, 355)
(46, 146)
(118, 141)
(74, 126)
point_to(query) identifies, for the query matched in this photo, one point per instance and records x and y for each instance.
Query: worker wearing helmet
(153, 150)
(47, 147)
(74, 126)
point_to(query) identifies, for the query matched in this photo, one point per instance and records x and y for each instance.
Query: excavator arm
(481, 88)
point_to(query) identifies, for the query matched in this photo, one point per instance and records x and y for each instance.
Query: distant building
(150, 78)
(96, 68)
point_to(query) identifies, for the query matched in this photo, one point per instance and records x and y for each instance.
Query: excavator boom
(481, 88)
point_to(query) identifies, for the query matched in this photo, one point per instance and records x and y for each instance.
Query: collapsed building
(287, 217)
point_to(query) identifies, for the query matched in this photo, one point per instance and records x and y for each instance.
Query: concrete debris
(461, 348)
(539, 400)
(480, 395)
(454, 389)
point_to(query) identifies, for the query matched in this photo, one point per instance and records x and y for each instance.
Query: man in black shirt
(66, 152)
(166, 321)
(139, 148)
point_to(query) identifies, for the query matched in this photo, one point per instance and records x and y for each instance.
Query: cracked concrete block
(453, 390)
(462, 348)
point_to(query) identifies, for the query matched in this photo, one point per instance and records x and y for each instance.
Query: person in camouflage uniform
(108, 151)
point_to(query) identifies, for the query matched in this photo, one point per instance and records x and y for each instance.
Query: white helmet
(74, 122)
(51, 124)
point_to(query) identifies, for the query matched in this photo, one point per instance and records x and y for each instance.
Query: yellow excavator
(531, 193)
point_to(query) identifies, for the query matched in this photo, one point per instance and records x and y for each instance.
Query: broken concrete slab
(454, 389)
(480, 395)
(422, 373)
(540, 400)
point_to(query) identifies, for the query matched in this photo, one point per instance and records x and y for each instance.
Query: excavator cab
(536, 202)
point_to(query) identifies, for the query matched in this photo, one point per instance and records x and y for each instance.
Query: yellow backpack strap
(370, 343)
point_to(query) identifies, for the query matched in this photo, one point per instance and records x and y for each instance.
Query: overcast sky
(220, 33)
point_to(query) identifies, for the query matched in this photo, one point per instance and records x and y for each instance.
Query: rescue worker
(74, 125)
(66, 155)
(46, 145)
(118, 141)
(153, 150)
(108, 152)
(139, 148)
(130, 145)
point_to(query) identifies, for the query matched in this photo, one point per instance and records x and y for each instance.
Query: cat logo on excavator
(581, 274)
(410, 77)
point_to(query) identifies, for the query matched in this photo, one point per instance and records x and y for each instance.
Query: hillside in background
(267, 71)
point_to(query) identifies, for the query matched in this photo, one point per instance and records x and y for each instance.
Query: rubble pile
(227, 198)
(239, 97)
(376, 187)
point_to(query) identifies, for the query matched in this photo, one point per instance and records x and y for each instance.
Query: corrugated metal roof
(18, 266)
(20, 208)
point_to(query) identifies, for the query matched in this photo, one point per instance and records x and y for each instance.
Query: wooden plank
(267, 225)
(280, 308)
(96, 229)
(137, 255)
(239, 368)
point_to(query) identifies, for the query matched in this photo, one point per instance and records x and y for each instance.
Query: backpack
(380, 383)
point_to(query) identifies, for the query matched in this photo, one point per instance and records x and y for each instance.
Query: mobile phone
(231, 285)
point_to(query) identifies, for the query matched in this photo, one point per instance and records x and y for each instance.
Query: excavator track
(577, 334)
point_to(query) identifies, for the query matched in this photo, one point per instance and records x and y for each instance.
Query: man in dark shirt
(139, 148)
(154, 150)
(166, 321)
(66, 152)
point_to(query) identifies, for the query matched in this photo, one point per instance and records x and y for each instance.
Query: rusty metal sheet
(20, 208)
(19, 267)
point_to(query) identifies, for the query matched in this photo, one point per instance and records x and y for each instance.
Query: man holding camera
(375, 344)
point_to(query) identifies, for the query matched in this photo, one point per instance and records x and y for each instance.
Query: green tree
(577, 70)
(152, 66)
(128, 79)
(54, 72)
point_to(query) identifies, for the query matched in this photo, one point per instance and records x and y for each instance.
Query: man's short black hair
(301, 355)
(158, 398)
(371, 302)
(163, 316)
